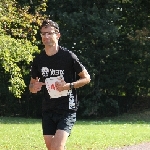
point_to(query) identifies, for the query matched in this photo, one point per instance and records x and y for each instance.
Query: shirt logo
(45, 71)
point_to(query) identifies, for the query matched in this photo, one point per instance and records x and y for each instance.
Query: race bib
(51, 88)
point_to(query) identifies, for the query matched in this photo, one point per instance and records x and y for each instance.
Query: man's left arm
(84, 79)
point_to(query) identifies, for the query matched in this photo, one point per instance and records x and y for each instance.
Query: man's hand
(60, 85)
(36, 85)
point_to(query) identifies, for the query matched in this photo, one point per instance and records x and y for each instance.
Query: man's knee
(48, 145)
(48, 140)
(57, 146)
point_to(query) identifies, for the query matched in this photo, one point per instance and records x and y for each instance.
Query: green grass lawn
(26, 134)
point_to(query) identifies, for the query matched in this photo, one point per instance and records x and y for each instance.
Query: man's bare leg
(48, 141)
(56, 142)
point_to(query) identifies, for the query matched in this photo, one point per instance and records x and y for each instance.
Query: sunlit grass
(101, 135)
(26, 134)
(20, 134)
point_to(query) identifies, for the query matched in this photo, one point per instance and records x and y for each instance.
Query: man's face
(49, 36)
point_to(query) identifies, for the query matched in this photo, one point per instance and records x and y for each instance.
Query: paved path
(142, 146)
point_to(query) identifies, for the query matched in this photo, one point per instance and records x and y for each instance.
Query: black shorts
(51, 122)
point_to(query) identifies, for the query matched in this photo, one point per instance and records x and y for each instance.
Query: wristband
(71, 85)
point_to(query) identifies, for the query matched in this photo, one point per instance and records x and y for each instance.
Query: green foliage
(11, 53)
(16, 50)
(111, 38)
(16, 20)
(134, 47)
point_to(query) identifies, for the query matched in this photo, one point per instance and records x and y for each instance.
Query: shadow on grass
(108, 122)
(18, 120)
(131, 118)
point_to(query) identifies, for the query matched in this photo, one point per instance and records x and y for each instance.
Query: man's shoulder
(67, 51)
(70, 53)
(64, 49)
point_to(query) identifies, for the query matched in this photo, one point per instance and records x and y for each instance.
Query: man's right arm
(35, 85)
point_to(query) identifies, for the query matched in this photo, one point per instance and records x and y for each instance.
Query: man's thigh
(66, 122)
(60, 138)
(48, 125)
(57, 141)
(48, 140)
(51, 122)
(57, 128)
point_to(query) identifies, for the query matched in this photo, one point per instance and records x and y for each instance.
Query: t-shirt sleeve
(34, 69)
(78, 67)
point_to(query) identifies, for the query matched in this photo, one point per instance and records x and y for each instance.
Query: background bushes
(111, 38)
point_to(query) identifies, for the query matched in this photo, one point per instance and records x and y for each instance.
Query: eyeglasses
(47, 34)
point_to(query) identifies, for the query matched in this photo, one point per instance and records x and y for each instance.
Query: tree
(15, 56)
(16, 51)
(111, 38)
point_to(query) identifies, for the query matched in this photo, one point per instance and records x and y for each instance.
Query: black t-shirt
(64, 64)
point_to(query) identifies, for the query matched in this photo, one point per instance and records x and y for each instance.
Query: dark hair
(48, 22)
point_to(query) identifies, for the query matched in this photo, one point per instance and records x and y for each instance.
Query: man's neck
(51, 50)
